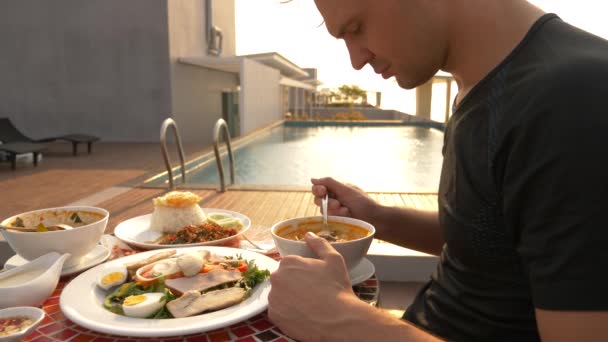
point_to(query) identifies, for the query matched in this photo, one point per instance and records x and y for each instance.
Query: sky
(295, 30)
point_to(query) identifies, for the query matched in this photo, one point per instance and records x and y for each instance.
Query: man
(521, 226)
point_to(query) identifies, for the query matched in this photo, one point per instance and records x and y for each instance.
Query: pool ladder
(163, 145)
(221, 125)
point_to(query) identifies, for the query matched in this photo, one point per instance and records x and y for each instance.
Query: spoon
(60, 226)
(324, 211)
(251, 242)
(325, 233)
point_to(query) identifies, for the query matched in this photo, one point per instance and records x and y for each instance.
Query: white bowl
(35, 314)
(32, 283)
(78, 241)
(352, 251)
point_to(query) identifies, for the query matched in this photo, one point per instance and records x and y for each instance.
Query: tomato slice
(241, 267)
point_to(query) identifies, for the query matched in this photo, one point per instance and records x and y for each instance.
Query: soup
(20, 278)
(336, 232)
(13, 325)
(40, 221)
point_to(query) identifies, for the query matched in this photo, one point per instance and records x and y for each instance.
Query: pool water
(384, 159)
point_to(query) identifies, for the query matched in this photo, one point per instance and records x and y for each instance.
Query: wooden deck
(264, 208)
(60, 178)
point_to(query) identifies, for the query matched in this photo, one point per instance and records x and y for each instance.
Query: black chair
(10, 134)
(15, 148)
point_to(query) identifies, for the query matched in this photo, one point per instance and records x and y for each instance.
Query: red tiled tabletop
(56, 327)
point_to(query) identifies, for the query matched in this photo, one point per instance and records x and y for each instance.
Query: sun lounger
(75, 139)
(13, 149)
(10, 134)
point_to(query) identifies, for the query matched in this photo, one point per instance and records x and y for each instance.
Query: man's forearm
(410, 228)
(363, 322)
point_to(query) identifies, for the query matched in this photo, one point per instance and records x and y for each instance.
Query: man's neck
(482, 33)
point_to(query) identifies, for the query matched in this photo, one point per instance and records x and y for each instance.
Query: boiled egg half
(111, 276)
(143, 305)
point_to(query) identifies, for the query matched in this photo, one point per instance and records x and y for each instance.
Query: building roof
(232, 64)
(277, 61)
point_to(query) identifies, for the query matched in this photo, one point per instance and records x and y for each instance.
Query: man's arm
(415, 229)
(365, 323)
(557, 326)
(411, 228)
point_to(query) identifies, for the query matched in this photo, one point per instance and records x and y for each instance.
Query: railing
(219, 125)
(163, 145)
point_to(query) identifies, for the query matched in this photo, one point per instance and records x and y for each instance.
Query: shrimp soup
(336, 232)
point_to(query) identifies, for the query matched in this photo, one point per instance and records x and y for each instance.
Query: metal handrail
(216, 135)
(163, 145)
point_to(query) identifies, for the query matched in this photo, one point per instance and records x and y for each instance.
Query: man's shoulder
(576, 71)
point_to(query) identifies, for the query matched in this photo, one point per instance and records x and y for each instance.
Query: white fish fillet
(193, 303)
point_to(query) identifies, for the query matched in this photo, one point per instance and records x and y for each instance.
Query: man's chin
(405, 84)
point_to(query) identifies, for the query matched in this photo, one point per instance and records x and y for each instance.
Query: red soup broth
(344, 231)
(13, 325)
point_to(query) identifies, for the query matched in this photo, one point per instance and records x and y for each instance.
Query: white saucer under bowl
(362, 272)
(98, 255)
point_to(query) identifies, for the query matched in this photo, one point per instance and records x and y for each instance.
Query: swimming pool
(376, 158)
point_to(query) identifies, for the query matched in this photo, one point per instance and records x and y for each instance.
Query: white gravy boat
(32, 283)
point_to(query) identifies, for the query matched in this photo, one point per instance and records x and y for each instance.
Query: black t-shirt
(523, 197)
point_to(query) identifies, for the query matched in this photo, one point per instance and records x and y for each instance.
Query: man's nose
(359, 55)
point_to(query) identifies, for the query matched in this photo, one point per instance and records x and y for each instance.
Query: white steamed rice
(171, 219)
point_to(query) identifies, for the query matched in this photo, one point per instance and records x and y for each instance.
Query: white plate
(136, 231)
(362, 272)
(98, 255)
(82, 302)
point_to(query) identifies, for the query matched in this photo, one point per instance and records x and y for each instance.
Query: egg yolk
(133, 300)
(112, 278)
(177, 199)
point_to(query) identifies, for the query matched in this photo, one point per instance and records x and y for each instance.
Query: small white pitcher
(32, 283)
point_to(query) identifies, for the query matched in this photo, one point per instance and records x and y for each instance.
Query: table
(56, 327)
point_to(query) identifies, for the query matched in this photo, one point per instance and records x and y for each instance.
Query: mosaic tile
(247, 339)
(83, 338)
(51, 328)
(202, 338)
(219, 337)
(46, 321)
(267, 335)
(103, 339)
(65, 334)
(52, 301)
(51, 309)
(262, 325)
(32, 335)
(243, 331)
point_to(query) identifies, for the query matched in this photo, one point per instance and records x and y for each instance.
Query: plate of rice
(178, 221)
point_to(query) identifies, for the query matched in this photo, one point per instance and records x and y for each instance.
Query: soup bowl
(29, 318)
(357, 237)
(88, 227)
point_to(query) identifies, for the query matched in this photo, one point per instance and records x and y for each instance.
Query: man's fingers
(320, 246)
(331, 204)
(342, 211)
(319, 190)
(331, 186)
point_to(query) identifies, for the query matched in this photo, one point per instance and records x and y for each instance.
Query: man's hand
(344, 200)
(308, 296)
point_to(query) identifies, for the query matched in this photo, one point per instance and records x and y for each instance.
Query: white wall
(260, 99)
(196, 92)
(97, 67)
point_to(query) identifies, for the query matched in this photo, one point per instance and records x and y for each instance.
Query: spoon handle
(324, 210)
